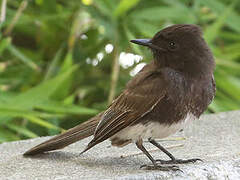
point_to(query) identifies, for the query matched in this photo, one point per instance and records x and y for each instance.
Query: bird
(172, 90)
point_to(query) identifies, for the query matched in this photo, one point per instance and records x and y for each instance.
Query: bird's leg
(154, 166)
(173, 159)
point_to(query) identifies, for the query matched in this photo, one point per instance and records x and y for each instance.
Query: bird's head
(182, 48)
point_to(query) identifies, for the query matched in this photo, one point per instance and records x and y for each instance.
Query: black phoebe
(173, 89)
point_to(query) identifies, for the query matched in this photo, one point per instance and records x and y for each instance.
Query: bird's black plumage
(176, 86)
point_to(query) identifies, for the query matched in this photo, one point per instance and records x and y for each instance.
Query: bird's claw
(161, 168)
(178, 161)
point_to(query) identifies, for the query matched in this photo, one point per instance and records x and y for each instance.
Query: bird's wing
(141, 95)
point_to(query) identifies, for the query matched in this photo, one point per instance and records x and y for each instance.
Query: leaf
(131, 36)
(22, 57)
(7, 113)
(40, 93)
(32, 116)
(227, 63)
(227, 84)
(6, 135)
(218, 7)
(223, 103)
(213, 30)
(146, 28)
(181, 15)
(4, 43)
(53, 65)
(5, 96)
(124, 6)
(230, 36)
(64, 89)
(56, 107)
(103, 7)
(42, 122)
(21, 130)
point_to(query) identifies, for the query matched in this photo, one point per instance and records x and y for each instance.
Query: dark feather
(141, 95)
(77, 133)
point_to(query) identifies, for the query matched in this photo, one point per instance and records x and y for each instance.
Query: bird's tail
(60, 141)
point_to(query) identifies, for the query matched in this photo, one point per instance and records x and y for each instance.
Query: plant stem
(3, 11)
(19, 12)
(115, 75)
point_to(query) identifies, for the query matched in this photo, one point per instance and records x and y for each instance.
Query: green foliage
(51, 76)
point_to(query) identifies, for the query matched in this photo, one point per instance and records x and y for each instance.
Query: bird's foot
(178, 161)
(160, 168)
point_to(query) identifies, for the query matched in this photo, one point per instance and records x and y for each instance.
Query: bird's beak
(148, 43)
(143, 42)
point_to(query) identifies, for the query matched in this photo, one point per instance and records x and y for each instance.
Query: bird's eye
(172, 45)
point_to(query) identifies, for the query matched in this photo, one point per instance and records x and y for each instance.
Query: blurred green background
(63, 61)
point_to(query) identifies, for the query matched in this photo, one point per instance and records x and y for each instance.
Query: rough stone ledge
(213, 138)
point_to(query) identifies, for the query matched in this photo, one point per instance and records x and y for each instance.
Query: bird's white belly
(152, 130)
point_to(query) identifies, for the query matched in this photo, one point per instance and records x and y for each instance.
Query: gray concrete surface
(214, 138)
